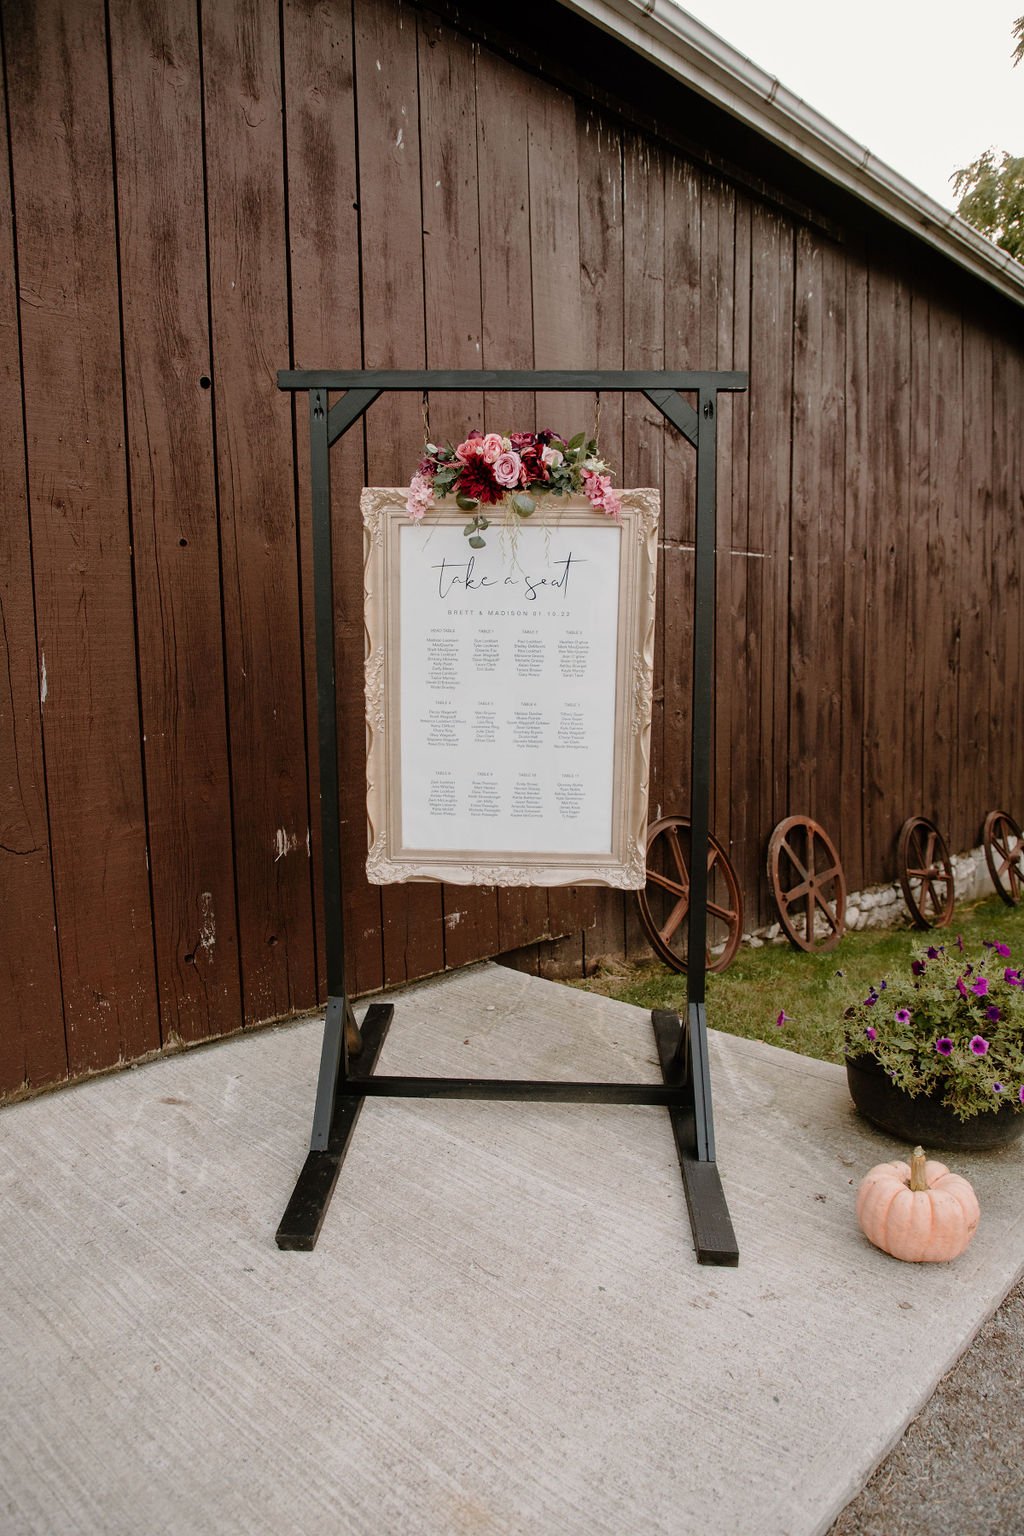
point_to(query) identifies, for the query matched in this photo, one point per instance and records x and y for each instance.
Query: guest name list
(507, 708)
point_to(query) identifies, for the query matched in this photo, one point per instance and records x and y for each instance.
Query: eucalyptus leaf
(467, 503)
(576, 442)
(476, 542)
(523, 504)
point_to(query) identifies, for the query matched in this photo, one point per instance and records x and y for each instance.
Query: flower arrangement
(950, 1026)
(488, 470)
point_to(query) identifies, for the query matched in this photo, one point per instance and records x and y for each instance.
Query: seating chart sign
(508, 693)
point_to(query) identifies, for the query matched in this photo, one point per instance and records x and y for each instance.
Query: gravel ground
(959, 1469)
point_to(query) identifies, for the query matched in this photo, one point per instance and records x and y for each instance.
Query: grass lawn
(747, 998)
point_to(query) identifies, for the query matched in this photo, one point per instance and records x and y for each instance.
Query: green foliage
(991, 193)
(949, 1023)
(1018, 32)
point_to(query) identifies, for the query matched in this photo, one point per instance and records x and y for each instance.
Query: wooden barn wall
(194, 196)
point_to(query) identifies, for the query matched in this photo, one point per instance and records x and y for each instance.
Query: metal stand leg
(304, 1214)
(713, 1235)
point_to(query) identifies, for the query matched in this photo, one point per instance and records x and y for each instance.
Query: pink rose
(470, 449)
(492, 448)
(551, 456)
(507, 468)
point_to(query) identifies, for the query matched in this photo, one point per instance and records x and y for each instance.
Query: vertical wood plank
(816, 597)
(683, 185)
(981, 623)
(599, 162)
(245, 190)
(886, 591)
(643, 346)
(918, 714)
(453, 321)
(323, 243)
(1007, 680)
(32, 1047)
(503, 102)
(74, 409)
(391, 234)
(158, 129)
(718, 241)
(741, 663)
(942, 658)
(771, 367)
(558, 337)
(856, 517)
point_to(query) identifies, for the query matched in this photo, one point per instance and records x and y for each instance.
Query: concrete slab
(503, 1327)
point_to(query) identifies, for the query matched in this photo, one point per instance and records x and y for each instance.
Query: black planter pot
(923, 1120)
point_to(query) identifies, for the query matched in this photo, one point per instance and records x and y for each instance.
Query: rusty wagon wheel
(1004, 855)
(926, 874)
(808, 884)
(665, 900)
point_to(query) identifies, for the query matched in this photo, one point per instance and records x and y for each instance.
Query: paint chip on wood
(284, 843)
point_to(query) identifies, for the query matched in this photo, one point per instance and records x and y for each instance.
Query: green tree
(991, 188)
(991, 193)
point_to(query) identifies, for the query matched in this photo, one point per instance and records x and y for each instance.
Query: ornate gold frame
(388, 861)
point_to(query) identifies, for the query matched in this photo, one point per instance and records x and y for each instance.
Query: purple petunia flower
(997, 1087)
(944, 1045)
(917, 967)
(870, 1001)
(932, 952)
(1020, 1093)
(782, 1018)
(903, 1016)
(960, 943)
(980, 987)
(1012, 977)
(1003, 950)
(960, 986)
(979, 1045)
(882, 986)
(871, 1032)
(993, 1014)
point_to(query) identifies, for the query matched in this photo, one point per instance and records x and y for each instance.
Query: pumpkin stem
(918, 1181)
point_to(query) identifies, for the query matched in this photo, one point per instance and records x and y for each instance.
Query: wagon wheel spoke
(675, 917)
(724, 914)
(787, 848)
(677, 852)
(667, 884)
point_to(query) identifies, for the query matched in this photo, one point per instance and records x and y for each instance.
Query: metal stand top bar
(510, 379)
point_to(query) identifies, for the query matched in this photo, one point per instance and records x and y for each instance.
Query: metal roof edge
(683, 47)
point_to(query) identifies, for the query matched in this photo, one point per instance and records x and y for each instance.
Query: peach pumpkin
(921, 1213)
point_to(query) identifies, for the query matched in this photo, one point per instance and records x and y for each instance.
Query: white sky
(925, 86)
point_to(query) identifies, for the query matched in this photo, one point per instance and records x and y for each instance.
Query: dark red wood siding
(192, 197)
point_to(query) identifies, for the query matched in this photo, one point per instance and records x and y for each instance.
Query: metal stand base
(713, 1237)
(305, 1211)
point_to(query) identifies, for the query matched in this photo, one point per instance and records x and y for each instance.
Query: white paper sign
(507, 713)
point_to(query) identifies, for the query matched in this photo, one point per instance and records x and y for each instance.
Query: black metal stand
(682, 1048)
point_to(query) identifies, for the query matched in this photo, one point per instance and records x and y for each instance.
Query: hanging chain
(426, 417)
(597, 424)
